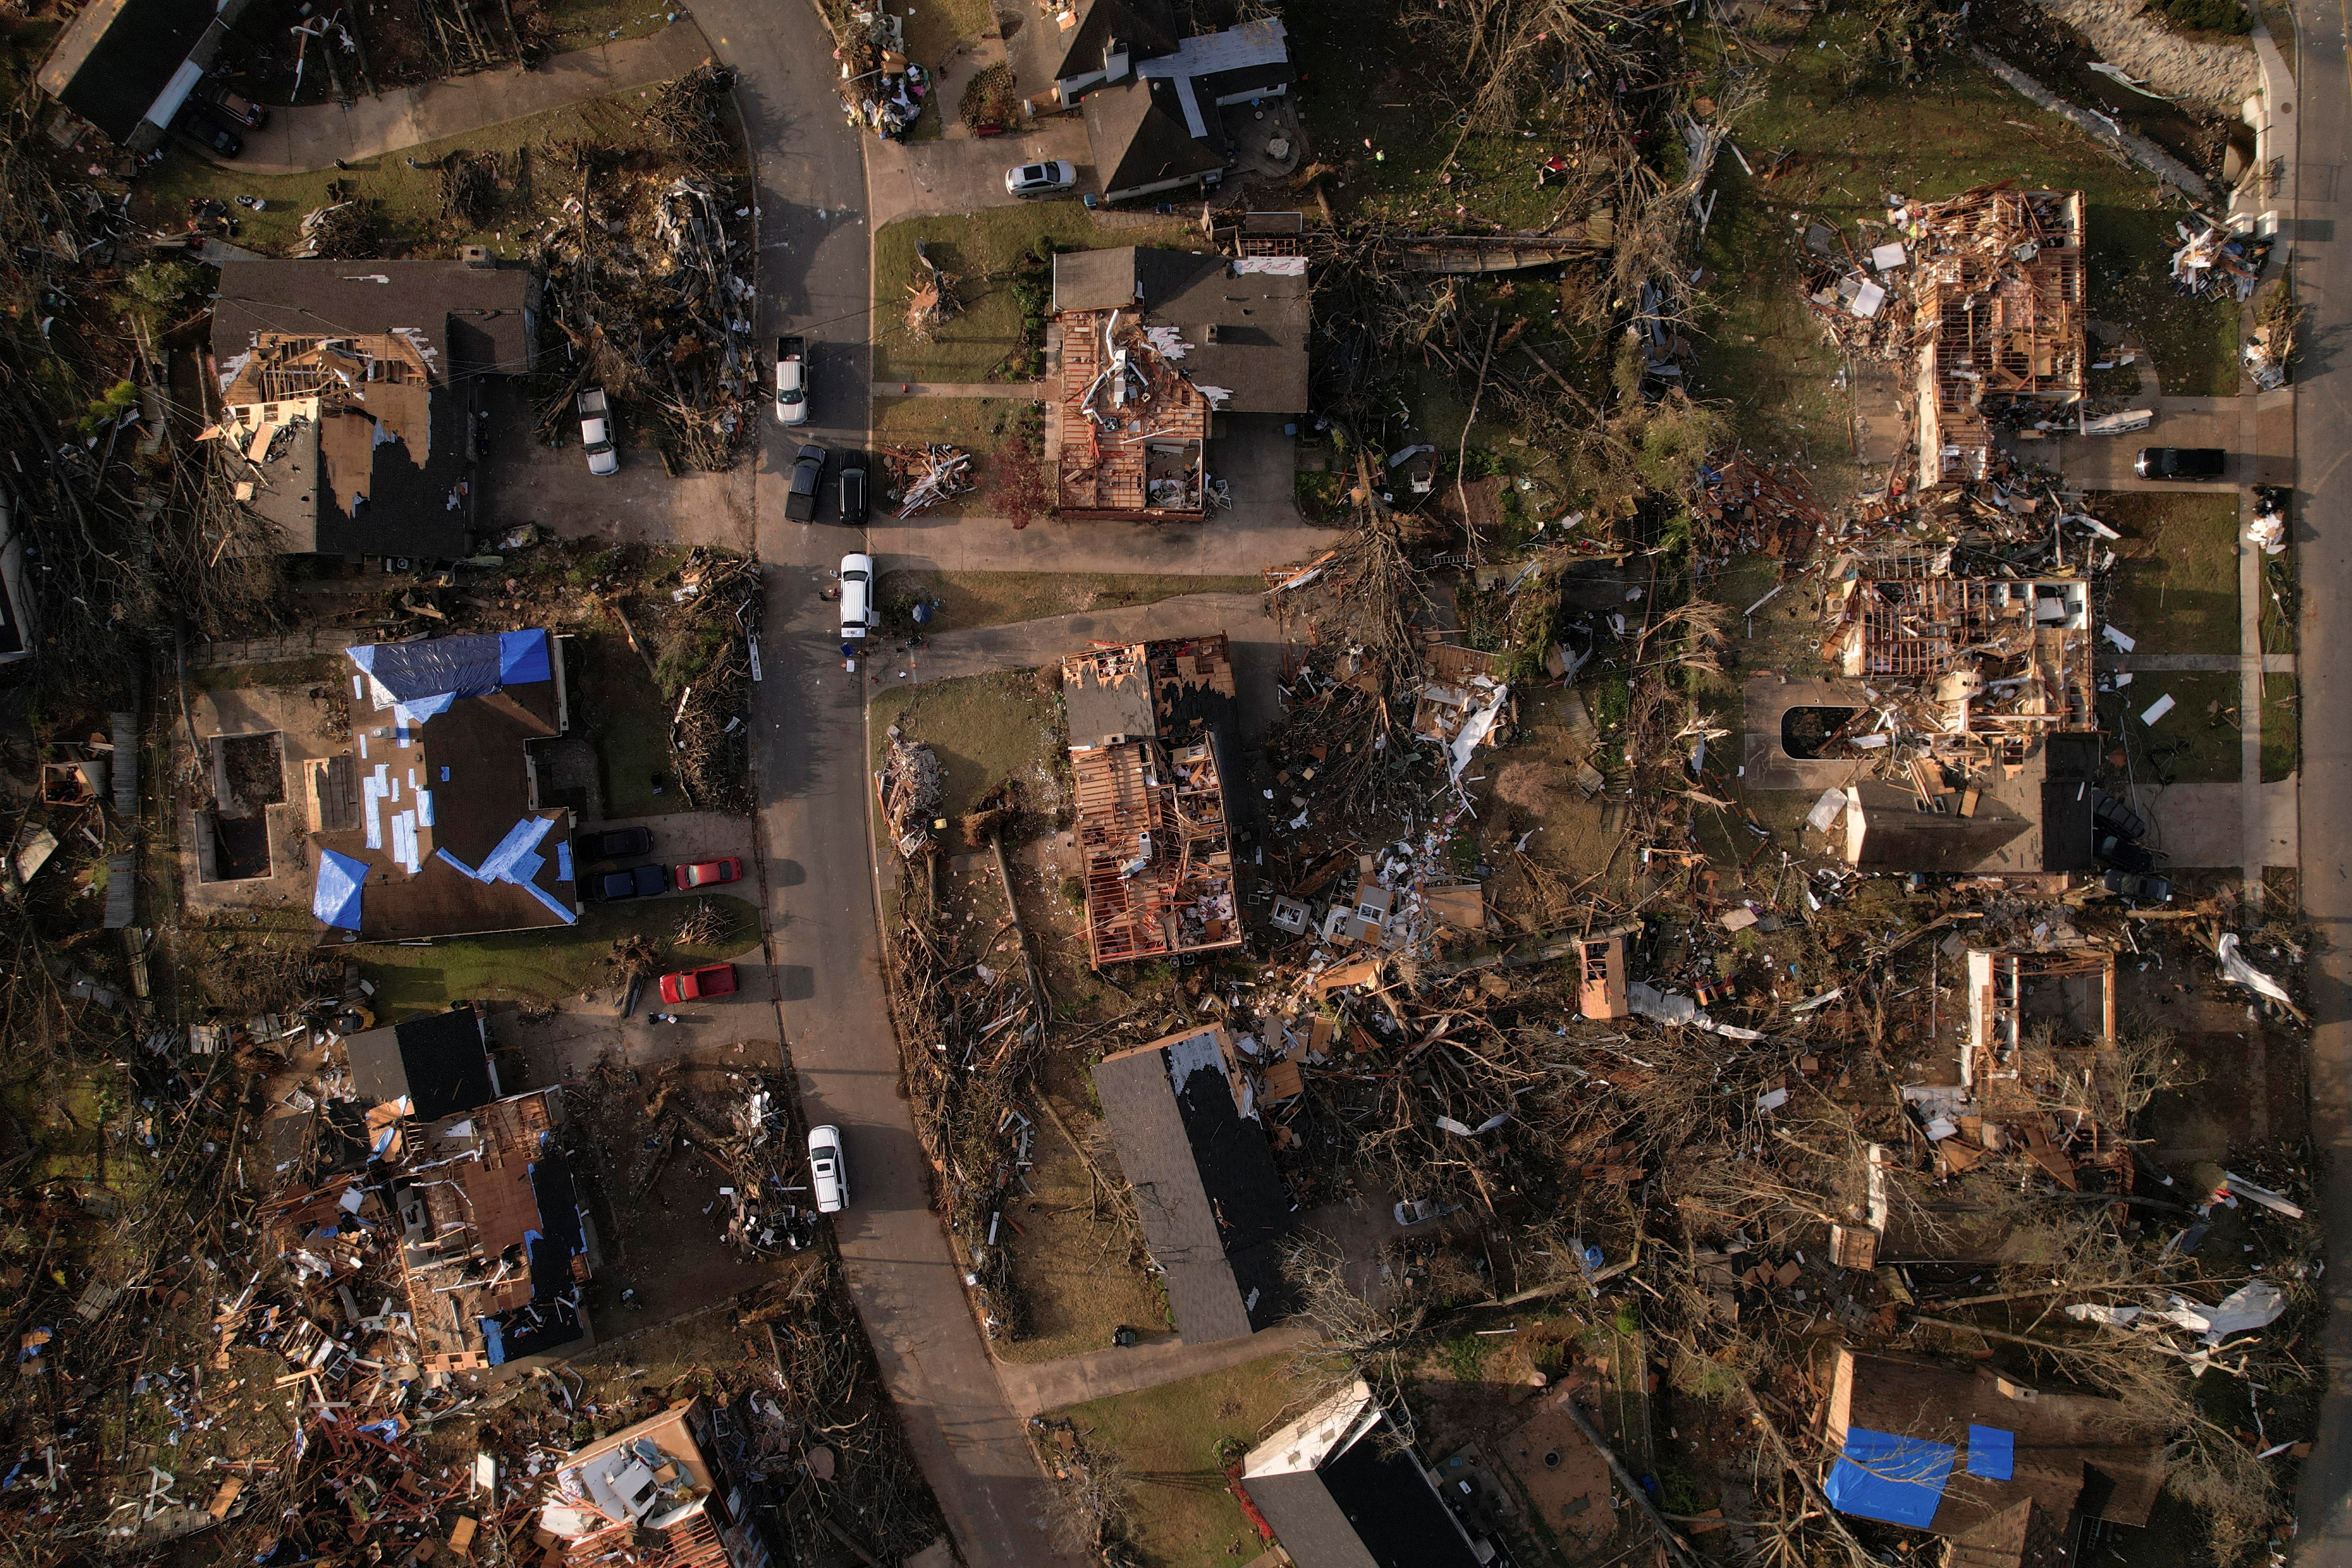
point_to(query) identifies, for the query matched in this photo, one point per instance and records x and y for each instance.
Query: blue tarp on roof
(1992, 1452)
(336, 898)
(1893, 1479)
(523, 657)
(513, 861)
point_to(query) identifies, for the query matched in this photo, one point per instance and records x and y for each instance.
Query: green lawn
(2176, 587)
(408, 200)
(2282, 727)
(1842, 141)
(984, 729)
(1001, 598)
(978, 425)
(542, 966)
(982, 250)
(2210, 749)
(1167, 1441)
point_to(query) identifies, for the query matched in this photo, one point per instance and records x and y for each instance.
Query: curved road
(810, 757)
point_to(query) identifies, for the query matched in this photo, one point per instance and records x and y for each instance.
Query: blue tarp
(513, 862)
(1992, 1452)
(523, 657)
(1893, 1479)
(336, 898)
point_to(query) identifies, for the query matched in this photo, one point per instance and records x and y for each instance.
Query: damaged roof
(440, 1064)
(476, 321)
(1241, 323)
(1212, 1204)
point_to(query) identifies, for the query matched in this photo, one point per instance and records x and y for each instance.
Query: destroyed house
(1149, 343)
(1981, 656)
(2005, 1472)
(652, 1495)
(352, 398)
(1997, 317)
(1154, 101)
(495, 1239)
(1146, 725)
(429, 1067)
(1340, 1487)
(2030, 817)
(127, 67)
(431, 821)
(2041, 1068)
(1212, 1207)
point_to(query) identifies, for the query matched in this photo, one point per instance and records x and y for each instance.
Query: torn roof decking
(1998, 318)
(1168, 688)
(1999, 653)
(1152, 838)
(1111, 467)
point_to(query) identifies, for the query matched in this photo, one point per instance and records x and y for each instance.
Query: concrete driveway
(524, 482)
(2245, 427)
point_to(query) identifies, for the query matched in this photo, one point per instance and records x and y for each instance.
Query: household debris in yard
(2210, 259)
(931, 301)
(881, 89)
(910, 794)
(924, 476)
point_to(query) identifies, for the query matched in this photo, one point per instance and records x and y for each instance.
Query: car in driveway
(828, 1180)
(858, 615)
(1050, 178)
(617, 843)
(698, 984)
(808, 477)
(1415, 1210)
(2180, 462)
(2139, 890)
(596, 434)
(853, 489)
(2123, 854)
(238, 110)
(210, 130)
(792, 382)
(632, 883)
(708, 874)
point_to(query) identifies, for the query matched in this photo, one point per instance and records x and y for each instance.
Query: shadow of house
(1341, 1488)
(1212, 1206)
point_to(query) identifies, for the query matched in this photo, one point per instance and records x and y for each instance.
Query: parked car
(791, 383)
(853, 489)
(2114, 817)
(2138, 889)
(1050, 178)
(698, 984)
(238, 111)
(210, 131)
(596, 434)
(828, 1180)
(858, 615)
(636, 882)
(808, 477)
(617, 843)
(709, 873)
(2125, 854)
(1419, 1209)
(2180, 462)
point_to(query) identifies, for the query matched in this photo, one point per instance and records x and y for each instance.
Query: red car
(698, 984)
(708, 874)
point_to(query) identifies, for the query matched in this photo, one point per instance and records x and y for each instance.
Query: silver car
(1050, 178)
(827, 1178)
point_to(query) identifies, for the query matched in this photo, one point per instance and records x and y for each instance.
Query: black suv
(808, 477)
(206, 127)
(2180, 462)
(852, 489)
(618, 842)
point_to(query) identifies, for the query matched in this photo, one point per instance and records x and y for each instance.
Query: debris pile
(2210, 259)
(881, 89)
(924, 476)
(931, 301)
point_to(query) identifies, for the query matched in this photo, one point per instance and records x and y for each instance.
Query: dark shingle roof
(1143, 23)
(1137, 130)
(474, 317)
(115, 58)
(439, 1062)
(1245, 332)
(1367, 1507)
(1212, 1204)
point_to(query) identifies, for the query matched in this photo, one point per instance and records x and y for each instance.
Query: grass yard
(542, 966)
(628, 723)
(332, 666)
(408, 200)
(983, 250)
(1071, 1260)
(1003, 598)
(984, 730)
(2197, 742)
(1166, 1441)
(584, 23)
(2282, 728)
(978, 425)
(1844, 138)
(2176, 584)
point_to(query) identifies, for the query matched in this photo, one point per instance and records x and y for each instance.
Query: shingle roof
(1138, 133)
(1244, 333)
(440, 1064)
(474, 317)
(1210, 1202)
(1144, 25)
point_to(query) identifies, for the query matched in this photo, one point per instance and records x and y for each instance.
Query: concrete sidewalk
(1026, 645)
(1037, 1387)
(297, 140)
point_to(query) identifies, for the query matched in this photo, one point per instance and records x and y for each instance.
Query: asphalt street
(810, 755)
(2323, 274)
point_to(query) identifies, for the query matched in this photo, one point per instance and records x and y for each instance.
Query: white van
(858, 615)
(826, 1176)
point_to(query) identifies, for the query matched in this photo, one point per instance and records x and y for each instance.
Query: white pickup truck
(596, 434)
